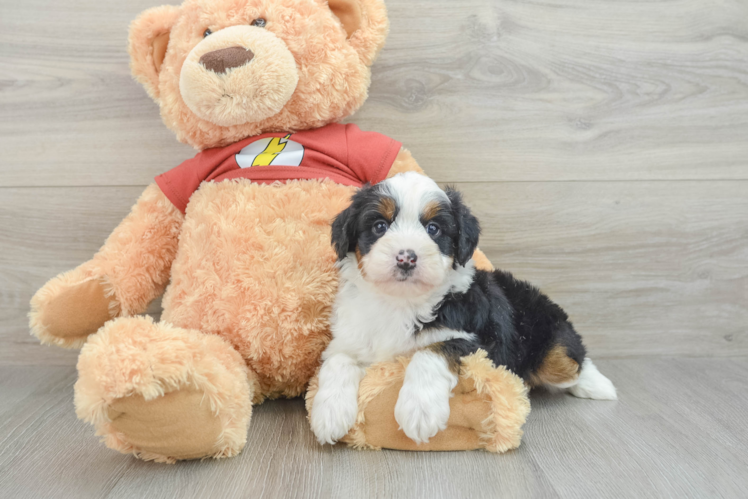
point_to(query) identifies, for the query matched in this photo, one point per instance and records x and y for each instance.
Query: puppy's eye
(433, 229)
(259, 22)
(379, 228)
(207, 33)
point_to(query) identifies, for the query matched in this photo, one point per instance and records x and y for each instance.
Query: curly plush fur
(255, 267)
(156, 360)
(489, 408)
(333, 68)
(250, 269)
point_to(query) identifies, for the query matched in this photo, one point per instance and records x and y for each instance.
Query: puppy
(408, 285)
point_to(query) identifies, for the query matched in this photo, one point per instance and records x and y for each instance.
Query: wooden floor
(678, 430)
(604, 146)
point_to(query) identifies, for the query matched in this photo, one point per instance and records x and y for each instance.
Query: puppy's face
(406, 234)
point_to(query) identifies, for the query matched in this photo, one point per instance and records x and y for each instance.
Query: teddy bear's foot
(488, 409)
(164, 393)
(70, 307)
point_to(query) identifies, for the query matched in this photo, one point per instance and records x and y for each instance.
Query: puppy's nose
(406, 259)
(221, 60)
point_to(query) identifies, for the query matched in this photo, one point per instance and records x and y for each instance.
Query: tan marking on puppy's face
(387, 207)
(557, 368)
(360, 260)
(431, 210)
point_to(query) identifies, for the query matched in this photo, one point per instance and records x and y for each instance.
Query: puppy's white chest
(370, 328)
(401, 342)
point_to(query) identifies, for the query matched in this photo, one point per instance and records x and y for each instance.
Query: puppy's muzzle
(222, 60)
(406, 259)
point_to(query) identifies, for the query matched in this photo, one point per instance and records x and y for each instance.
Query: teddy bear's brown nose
(219, 61)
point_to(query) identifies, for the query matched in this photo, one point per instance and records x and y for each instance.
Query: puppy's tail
(591, 384)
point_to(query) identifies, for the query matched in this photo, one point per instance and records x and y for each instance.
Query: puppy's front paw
(332, 417)
(421, 413)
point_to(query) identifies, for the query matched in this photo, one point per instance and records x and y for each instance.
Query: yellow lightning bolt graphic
(273, 149)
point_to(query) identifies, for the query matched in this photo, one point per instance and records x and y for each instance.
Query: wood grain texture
(603, 146)
(46, 231)
(643, 268)
(480, 90)
(662, 439)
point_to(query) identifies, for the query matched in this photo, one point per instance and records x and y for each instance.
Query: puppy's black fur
(515, 323)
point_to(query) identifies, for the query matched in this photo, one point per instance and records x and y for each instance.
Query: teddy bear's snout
(220, 61)
(237, 75)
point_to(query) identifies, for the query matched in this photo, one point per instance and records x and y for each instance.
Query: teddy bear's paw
(176, 426)
(164, 393)
(70, 307)
(332, 416)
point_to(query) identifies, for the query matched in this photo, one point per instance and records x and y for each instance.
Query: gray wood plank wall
(604, 146)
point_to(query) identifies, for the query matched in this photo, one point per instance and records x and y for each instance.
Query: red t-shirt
(342, 153)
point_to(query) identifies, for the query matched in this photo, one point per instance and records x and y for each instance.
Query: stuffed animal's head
(223, 70)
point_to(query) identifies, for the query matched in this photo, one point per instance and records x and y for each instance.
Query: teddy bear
(237, 240)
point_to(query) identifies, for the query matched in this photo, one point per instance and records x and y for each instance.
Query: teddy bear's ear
(149, 38)
(366, 23)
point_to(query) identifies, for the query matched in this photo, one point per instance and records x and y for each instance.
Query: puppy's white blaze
(335, 405)
(422, 407)
(592, 384)
(412, 192)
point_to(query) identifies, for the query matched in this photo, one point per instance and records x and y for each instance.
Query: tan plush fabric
(251, 267)
(404, 163)
(162, 393)
(323, 50)
(130, 270)
(80, 309)
(468, 409)
(179, 425)
(481, 261)
(256, 267)
(488, 409)
(70, 307)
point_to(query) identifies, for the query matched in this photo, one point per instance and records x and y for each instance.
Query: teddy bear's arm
(127, 273)
(406, 163)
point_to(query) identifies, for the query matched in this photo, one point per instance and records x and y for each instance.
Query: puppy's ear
(149, 38)
(344, 231)
(467, 226)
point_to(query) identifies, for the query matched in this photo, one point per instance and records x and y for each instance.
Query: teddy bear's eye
(259, 22)
(207, 33)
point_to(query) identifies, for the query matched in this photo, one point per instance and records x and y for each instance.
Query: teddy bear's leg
(164, 393)
(128, 272)
(488, 409)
